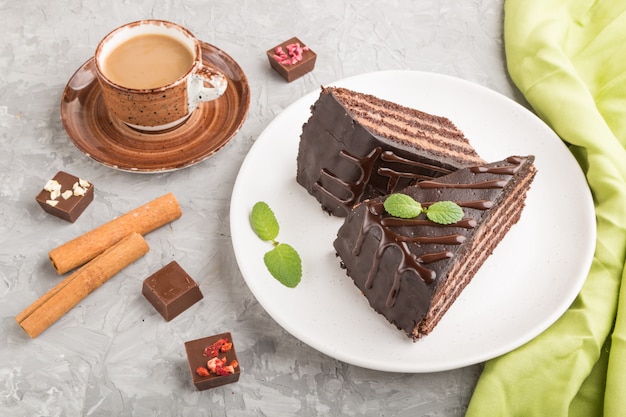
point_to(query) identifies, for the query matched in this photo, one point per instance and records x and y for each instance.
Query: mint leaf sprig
(283, 261)
(405, 207)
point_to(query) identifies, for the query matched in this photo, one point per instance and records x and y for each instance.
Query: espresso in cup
(152, 75)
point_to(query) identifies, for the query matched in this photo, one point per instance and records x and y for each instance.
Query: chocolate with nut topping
(201, 351)
(66, 196)
(412, 270)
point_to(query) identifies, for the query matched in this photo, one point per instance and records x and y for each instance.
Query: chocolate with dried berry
(292, 59)
(212, 361)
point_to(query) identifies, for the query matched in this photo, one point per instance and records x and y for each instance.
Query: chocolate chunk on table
(171, 290)
(212, 361)
(292, 59)
(66, 196)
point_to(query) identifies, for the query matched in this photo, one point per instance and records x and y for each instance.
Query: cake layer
(356, 146)
(431, 133)
(412, 270)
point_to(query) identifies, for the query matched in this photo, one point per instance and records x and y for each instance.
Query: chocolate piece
(412, 270)
(72, 197)
(356, 146)
(198, 355)
(292, 71)
(171, 290)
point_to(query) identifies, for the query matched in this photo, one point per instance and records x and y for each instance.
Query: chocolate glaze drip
(395, 175)
(434, 257)
(477, 185)
(509, 170)
(516, 160)
(506, 169)
(398, 222)
(476, 204)
(391, 238)
(389, 156)
(404, 247)
(365, 165)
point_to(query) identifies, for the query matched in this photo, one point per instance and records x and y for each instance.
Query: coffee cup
(152, 75)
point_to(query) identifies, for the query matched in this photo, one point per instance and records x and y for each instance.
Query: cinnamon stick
(59, 300)
(142, 220)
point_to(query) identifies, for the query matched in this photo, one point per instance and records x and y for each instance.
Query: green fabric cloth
(568, 58)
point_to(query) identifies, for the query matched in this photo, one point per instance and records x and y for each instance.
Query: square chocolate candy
(65, 196)
(292, 59)
(212, 361)
(171, 290)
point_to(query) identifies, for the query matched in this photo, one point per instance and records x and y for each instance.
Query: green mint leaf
(403, 206)
(444, 212)
(263, 221)
(284, 264)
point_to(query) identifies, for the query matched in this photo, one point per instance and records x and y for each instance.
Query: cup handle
(197, 88)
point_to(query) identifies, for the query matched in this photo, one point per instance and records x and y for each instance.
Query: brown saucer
(112, 143)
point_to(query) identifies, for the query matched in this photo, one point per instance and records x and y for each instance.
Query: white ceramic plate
(527, 283)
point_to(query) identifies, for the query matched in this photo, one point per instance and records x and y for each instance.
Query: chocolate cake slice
(356, 146)
(412, 270)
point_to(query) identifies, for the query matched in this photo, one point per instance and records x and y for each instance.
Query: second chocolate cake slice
(412, 270)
